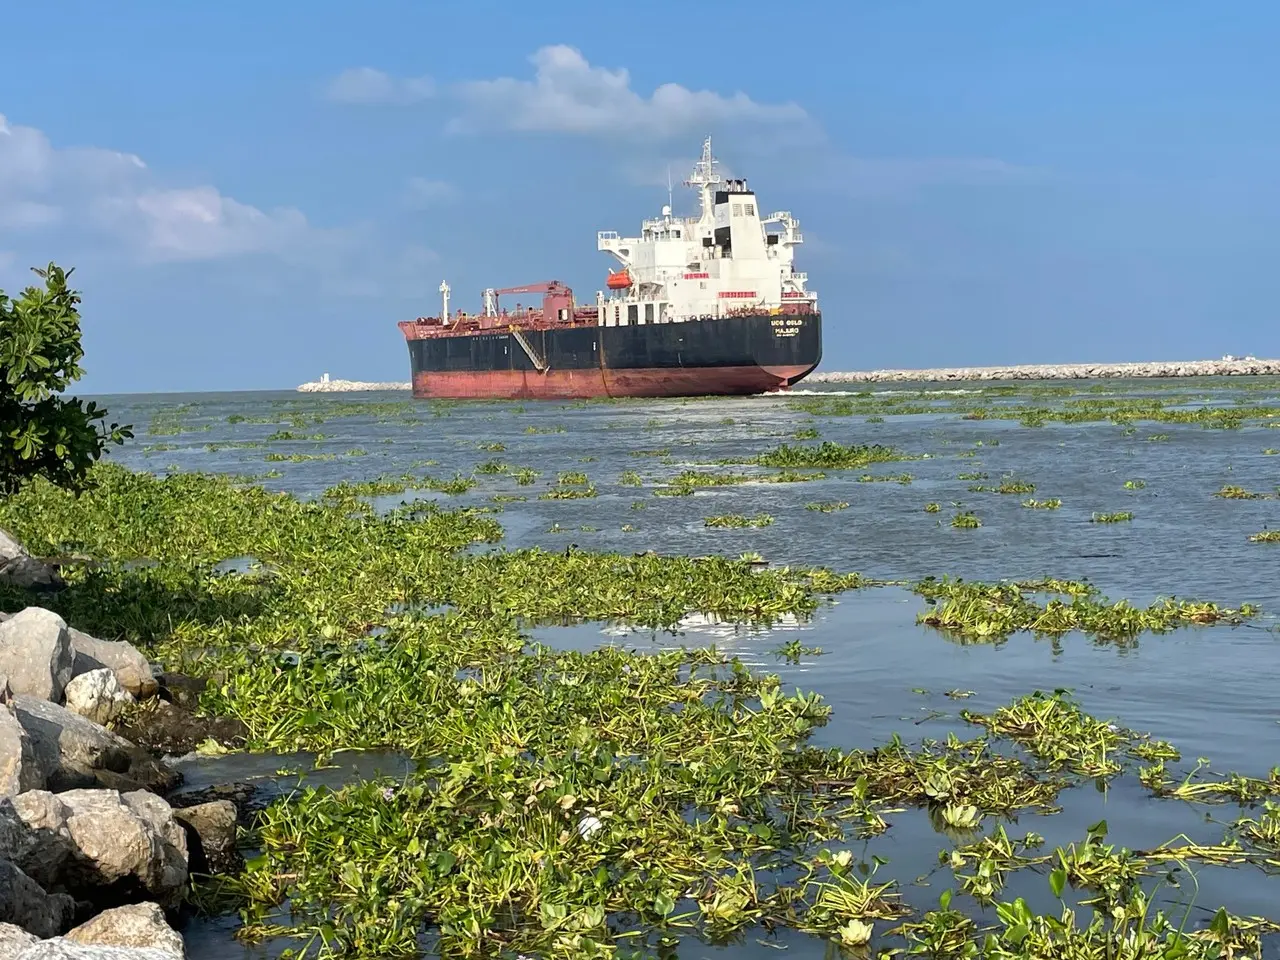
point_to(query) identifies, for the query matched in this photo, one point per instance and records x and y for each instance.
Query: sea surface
(1212, 692)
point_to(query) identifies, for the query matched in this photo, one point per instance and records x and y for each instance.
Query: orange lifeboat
(619, 281)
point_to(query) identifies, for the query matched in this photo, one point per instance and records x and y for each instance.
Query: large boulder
(97, 695)
(19, 769)
(36, 653)
(211, 836)
(14, 940)
(23, 902)
(75, 752)
(100, 845)
(19, 568)
(130, 667)
(140, 926)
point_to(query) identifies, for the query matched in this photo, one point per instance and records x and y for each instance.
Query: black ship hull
(737, 355)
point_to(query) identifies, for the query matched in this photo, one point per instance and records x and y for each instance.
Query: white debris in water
(588, 827)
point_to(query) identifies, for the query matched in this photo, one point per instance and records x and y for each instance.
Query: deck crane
(490, 296)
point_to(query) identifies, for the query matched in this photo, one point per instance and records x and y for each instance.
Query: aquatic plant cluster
(565, 803)
(613, 802)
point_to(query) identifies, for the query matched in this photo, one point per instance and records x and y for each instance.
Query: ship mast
(444, 295)
(704, 177)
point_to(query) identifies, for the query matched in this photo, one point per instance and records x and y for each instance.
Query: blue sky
(253, 193)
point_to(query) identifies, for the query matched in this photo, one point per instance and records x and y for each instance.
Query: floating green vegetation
(564, 803)
(492, 446)
(1230, 492)
(456, 485)
(830, 506)
(159, 447)
(532, 429)
(1270, 452)
(791, 476)
(966, 520)
(569, 493)
(1266, 536)
(630, 478)
(735, 520)
(508, 498)
(356, 452)
(1120, 517)
(1134, 484)
(628, 528)
(569, 478)
(1157, 438)
(932, 507)
(827, 455)
(298, 457)
(290, 435)
(1007, 485)
(875, 419)
(1055, 730)
(808, 433)
(973, 475)
(231, 445)
(1033, 504)
(988, 612)
(492, 467)
(659, 452)
(902, 478)
(525, 477)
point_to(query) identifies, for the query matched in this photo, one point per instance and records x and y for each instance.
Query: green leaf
(1058, 882)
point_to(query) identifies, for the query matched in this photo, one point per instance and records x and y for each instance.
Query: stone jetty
(94, 860)
(325, 385)
(1226, 367)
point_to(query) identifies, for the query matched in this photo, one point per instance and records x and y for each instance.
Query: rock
(73, 752)
(19, 769)
(14, 940)
(168, 728)
(141, 925)
(183, 690)
(97, 695)
(24, 903)
(60, 949)
(211, 838)
(104, 846)
(36, 653)
(131, 668)
(20, 569)
(249, 799)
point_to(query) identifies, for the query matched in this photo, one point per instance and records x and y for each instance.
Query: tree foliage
(42, 433)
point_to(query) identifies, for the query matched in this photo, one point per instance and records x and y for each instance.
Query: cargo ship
(698, 306)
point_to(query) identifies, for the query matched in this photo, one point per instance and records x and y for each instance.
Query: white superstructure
(728, 259)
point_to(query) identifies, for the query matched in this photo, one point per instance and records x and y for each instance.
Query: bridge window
(749, 209)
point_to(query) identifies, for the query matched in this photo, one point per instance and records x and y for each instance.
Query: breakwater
(351, 386)
(1226, 367)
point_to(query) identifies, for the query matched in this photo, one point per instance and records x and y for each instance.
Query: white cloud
(428, 193)
(569, 95)
(43, 187)
(367, 85)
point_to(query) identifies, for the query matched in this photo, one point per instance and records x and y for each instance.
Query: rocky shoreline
(1226, 367)
(94, 860)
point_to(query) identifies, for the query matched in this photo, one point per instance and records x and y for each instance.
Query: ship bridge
(729, 259)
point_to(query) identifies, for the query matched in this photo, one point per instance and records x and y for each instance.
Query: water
(1209, 691)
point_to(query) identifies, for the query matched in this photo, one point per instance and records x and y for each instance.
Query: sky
(254, 193)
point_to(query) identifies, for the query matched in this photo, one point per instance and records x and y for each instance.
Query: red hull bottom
(580, 384)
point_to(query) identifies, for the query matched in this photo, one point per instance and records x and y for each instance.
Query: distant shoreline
(1232, 367)
(1226, 367)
